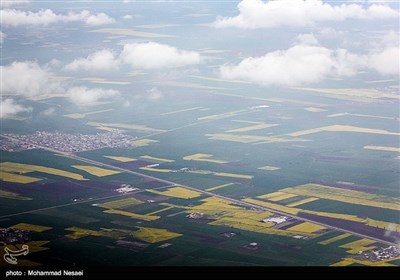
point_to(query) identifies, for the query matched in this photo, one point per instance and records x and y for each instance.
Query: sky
(58, 48)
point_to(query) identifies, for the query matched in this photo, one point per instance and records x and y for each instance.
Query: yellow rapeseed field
(269, 168)
(154, 235)
(142, 142)
(307, 227)
(31, 227)
(220, 187)
(156, 169)
(343, 195)
(17, 178)
(27, 168)
(359, 245)
(157, 159)
(334, 239)
(252, 127)
(132, 215)
(121, 203)
(205, 158)
(121, 159)
(178, 192)
(12, 195)
(96, 171)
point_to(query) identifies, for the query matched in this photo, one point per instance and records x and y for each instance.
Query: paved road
(170, 183)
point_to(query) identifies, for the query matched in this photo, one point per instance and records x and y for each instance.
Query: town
(64, 142)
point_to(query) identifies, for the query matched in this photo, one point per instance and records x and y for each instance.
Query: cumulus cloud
(27, 78)
(385, 61)
(84, 96)
(10, 108)
(148, 55)
(259, 14)
(156, 56)
(9, 3)
(48, 112)
(154, 94)
(309, 62)
(12, 17)
(101, 60)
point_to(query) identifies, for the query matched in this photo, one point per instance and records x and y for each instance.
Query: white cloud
(48, 112)
(154, 94)
(9, 3)
(138, 55)
(309, 62)
(84, 96)
(12, 17)
(259, 14)
(127, 17)
(101, 60)
(11, 108)
(2, 37)
(385, 61)
(27, 78)
(156, 56)
(300, 64)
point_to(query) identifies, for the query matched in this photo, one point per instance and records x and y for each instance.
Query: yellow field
(343, 195)
(26, 168)
(178, 192)
(142, 142)
(221, 116)
(180, 111)
(350, 261)
(155, 169)
(359, 245)
(307, 227)
(277, 196)
(96, 171)
(367, 221)
(226, 213)
(314, 109)
(303, 201)
(83, 115)
(334, 239)
(252, 138)
(12, 195)
(220, 187)
(285, 209)
(16, 178)
(233, 175)
(342, 128)
(154, 235)
(31, 227)
(269, 168)
(115, 233)
(78, 233)
(136, 127)
(161, 210)
(121, 203)
(204, 157)
(252, 127)
(121, 159)
(132, 215)
(157, 159)
(359, 115)
(383, 148)
(202, 172)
